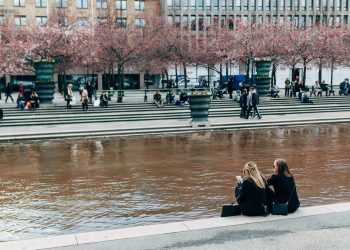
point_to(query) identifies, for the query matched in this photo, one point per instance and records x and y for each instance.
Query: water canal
(50, 188)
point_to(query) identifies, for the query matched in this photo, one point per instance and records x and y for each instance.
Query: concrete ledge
(133, 232)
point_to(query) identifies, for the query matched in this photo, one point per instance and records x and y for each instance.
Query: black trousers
(255, 108)
(286, 92)
(243, 111)
(7, 96)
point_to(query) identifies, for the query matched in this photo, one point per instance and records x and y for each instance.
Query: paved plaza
(317, 227)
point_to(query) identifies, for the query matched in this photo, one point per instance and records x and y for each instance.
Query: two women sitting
(254, 196)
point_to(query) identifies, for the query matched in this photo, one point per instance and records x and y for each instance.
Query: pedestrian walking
(243, 103)
(8, 92)
(90, 90)
(287, 86)
(230, 86)
(68, 95)
(253, 101)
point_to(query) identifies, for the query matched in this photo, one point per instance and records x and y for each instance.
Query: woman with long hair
(284, 185)
(252, 198)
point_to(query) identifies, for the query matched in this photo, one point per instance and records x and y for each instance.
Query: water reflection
(75, 186)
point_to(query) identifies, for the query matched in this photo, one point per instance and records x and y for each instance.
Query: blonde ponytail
(253, 172)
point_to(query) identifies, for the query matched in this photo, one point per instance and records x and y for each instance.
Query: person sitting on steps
(103, 100)
(157, 99)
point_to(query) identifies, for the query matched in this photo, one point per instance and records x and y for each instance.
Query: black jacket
(252, 198)
(255, 99)
(90, 89)
(284, 186)
(243, 100)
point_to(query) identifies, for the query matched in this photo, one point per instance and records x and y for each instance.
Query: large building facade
(198, 13)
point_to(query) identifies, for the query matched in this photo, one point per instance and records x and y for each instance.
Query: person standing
(84, 99)
(21, 87)
(90, 90)
(243, 103)
(287, 86)
(230, 86)
(8, 92)
(68, 95)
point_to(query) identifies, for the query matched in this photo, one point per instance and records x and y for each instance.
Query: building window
(296, 5)
(345, 20)
(331, 5)
(63, 21)
(141, 22)
(193, 23)
(177, 4)
(230, 23)
(267, 5)
(303, 4)
(238, 4)
(245, 4)
(140, 4)
(200, 23)
(317, 4)
(223, 5)
(19, 3)
(122, 21)
(169, 4)
(311, 5)
(101, 4)
(101, 20)
(345, 5)
(208, 4)
(61, 3)
(296, 21)
(82, 4)
(310, 21)
(41, 20)
(41, 3)
(215, 4)
(20, 20)
(1, 2)
(303, 22)
(193, 4)
(2, 20)
(289, 5)
(274, 5)
(121, 4)
(282, 5)
(185, 4)
(185, 22)
(259, 4)
(230, 5)
(170, 19)
(200, 4)
(82, 21)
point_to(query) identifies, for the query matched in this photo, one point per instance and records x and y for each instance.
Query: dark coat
(243, 100)
(8, 90)
(90, 89)
(284, 186)
(252, 198)
(255, 99)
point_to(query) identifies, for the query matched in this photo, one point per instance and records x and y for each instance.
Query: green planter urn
(199, 105)
(44, 84)
(263, 79)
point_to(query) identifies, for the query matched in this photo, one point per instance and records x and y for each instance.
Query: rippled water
(76, 186)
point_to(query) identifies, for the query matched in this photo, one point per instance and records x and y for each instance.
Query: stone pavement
(317, 227)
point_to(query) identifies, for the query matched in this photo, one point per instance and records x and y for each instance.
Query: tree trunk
(220, 76)
(332, 68)
(248, 69)
(120, 83)
(185, 74)
(320, 73)
(304, 72)
(176, 78)
(208, 72)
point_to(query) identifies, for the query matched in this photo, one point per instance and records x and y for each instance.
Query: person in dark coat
(8, 91)
(284, 185)
(243, 103)
(103, 100)
(230, 86)
(34, 100)
(90, 89)
(252, 197)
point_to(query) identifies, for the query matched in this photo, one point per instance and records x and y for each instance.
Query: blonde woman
(283, 183)
(252, 198)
